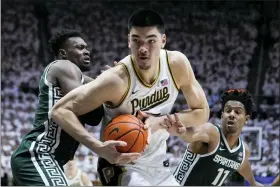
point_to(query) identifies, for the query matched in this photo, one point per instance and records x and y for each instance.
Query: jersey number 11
(217, 179)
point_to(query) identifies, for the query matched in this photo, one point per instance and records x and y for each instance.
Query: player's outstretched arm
(84, 99)
(198, 112)
(245, 169)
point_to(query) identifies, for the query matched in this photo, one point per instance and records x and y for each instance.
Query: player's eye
(228, 110)
(152, 41)
(238, 112)
(135, 40)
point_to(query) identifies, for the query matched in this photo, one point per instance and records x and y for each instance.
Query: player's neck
(232, 139)
(148, 76)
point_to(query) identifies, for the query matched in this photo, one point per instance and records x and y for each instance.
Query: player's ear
(163, 40)
(62, 53)
(128, 40)
(247, 119)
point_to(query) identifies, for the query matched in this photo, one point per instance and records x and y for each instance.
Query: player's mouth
(143, 58)
(87, 60)
(231, 123)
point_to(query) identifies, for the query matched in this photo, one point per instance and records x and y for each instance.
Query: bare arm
(198, 112)
(85, 179)
(70, 78)
(87, 79)
(84, 99)
(206, 133)
(245, 169)
(66, 78)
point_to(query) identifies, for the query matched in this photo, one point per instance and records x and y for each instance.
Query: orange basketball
(129, 129)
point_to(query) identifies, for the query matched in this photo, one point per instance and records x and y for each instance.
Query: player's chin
(231, 129)
(144, 66)
(85, 67)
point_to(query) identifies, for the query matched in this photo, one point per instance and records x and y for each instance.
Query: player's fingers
(129, 155)
(171, 119)
(181, 130)
(116, 143)
(142, 115)
(124, 158)
(176, 117)
(167, 123)
(115, 63)
(107, 67)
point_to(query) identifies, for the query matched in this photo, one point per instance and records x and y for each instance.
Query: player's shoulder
(64, 66)
(117, 74)
(247, 149)
(211, 129)
(178, 62)
(176, 57)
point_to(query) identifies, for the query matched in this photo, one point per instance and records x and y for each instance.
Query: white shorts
(148, 176)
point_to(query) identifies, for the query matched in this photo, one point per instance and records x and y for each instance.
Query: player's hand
(106, 67)
(173, 125)
(109, 152)
(146, 118)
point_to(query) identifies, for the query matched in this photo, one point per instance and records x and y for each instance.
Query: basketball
(129, 129)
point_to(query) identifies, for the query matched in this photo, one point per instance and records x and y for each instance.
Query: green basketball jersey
(46, 137)
(210, 169)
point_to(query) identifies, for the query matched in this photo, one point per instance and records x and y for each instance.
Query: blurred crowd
(219, 43)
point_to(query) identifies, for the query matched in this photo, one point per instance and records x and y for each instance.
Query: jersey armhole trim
(244, 152)
(168, 65)
(46, 73)
(127, 89)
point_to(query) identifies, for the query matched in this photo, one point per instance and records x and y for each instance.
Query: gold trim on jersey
(139, 77)
(168, 64)
(126, 92)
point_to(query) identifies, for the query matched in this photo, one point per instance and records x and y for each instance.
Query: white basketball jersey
(157, 99)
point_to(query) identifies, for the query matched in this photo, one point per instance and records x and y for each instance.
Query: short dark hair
(146, 18)
(59, 38)
(240, 95)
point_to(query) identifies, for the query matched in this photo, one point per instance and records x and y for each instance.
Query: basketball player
(47, 147)
(75, 176)
(215, 152)
(149, 80)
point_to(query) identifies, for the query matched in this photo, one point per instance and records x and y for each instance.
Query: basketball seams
(127, 125)
(139, 130)
(127, 133)
(121, 122)
(134, 118)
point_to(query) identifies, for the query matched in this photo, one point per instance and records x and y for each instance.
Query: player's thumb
(116, 143)
(142, 115)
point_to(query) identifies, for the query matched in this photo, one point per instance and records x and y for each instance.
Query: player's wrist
(97, 147)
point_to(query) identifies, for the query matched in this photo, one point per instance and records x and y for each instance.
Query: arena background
(230, 44)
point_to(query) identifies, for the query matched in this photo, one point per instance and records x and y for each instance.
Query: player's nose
(86, 52)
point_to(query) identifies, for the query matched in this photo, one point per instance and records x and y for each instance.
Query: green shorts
(30, 168)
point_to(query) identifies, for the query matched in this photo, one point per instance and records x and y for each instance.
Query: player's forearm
(248, 175)
(193, 117)
(68, 121)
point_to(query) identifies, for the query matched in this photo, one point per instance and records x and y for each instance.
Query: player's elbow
(202, 115)
(206, 113)
(57, 113)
